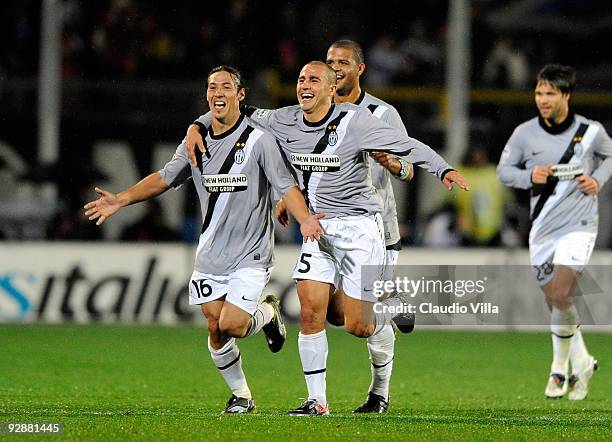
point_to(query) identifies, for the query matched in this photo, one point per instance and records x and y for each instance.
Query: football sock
(382, 318)
(228, 361)
(578, 352)
(563, 326)
(381, 347)
(313, 353)
(263, 315)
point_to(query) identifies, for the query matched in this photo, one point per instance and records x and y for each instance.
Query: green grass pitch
(158, 383)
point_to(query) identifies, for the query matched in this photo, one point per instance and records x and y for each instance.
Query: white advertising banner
(96, 282)
(147, 283)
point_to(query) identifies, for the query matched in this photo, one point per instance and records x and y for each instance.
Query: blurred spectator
(506, 65)
(480, 212)
(116, 39)
(423, 57)
(70, 222)
(384, 61)
(441, 228)
(150, 227)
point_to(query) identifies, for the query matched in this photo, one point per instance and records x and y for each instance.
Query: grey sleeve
(509, 170)
(393, 119)
(205, 120)
(378, 135)
(178, 170)
(603, 149)
(263, 118)
(273, 164)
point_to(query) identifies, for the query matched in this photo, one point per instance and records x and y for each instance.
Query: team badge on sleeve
(261, 113)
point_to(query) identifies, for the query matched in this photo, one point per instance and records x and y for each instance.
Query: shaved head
(330, 74)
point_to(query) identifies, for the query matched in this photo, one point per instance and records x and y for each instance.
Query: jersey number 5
(306, 268)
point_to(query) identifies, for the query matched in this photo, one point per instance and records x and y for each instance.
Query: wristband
(404, 171)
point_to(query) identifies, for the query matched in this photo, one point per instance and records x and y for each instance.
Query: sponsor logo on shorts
(315, 162)
(231, 182)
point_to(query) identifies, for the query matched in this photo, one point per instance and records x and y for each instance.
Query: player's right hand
(107, 205)
(540, 174)
(193, 139)
(281, 213)
(311, 228)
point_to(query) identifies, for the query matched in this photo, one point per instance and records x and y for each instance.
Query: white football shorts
(573, 249)
(349, 243)
(243, 287)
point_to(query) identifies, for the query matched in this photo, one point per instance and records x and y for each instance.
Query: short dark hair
(352, 45)
(235, 74)
(559, 76)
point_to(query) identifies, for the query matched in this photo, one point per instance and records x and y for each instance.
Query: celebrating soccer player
(556, 156)
(234, 254)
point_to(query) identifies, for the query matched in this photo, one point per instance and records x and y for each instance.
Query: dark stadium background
(95, 330)
(134, 71)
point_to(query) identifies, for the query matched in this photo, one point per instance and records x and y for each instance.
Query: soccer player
(234, 253)
(558, 156)
(327, 144)
(346, 58)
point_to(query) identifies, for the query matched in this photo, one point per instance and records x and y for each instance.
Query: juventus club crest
(239, 154)
(578, 150)
(332, 138)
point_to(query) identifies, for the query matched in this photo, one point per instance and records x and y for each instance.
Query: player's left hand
(455, 177)
(588, 185)
(388, 161)
(311, 228)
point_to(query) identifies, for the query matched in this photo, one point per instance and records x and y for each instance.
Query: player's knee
(311, 318)
(562, 297)
(358, 329)
(213, 327)
(233, 327)
(216, 338)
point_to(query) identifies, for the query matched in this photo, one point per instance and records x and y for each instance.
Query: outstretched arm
(109, 203)
(379, 136)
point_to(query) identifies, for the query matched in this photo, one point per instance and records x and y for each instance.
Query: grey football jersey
(381, 178)
(330, 156)
(234, 185)
(567, 209)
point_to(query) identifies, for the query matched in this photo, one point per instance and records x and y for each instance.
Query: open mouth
(219, 105)
(306, 97)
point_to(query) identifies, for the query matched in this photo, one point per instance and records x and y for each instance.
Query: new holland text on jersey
(315, 162)
(225, 182)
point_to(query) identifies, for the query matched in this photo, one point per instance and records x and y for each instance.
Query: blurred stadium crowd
(134, 71)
